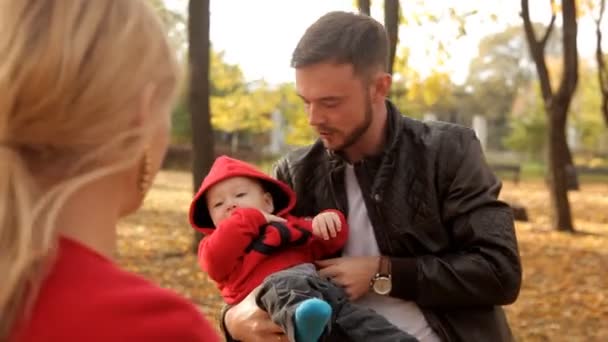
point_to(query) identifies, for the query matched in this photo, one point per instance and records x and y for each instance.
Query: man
(430, 248)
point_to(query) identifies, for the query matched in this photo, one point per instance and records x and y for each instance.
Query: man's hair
(344, 38)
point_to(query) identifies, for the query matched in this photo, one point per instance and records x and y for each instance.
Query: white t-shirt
(405, 315)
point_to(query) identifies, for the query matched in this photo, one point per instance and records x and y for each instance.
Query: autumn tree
(174, 22)
(363, 6)
(585, 109)
(247, 109)
(500, 70)
(299, 132)
(428, 94)
(556, 104)
(225, 79)
(391, 23)
(602, 69)
(202, 132)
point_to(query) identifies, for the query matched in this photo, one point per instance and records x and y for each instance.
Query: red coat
(244, 249)
(86, 297)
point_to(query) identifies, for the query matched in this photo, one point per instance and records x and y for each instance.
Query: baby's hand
(326, 224)
(273, 218)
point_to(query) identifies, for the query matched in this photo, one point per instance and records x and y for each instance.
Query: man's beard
(358, 131)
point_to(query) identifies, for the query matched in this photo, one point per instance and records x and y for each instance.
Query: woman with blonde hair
(86, 89)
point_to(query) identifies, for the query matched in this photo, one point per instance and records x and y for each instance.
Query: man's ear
(268, 202)
(381, 86)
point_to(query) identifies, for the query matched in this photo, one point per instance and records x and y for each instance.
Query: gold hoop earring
(145, 175)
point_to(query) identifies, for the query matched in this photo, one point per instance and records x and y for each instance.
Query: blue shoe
(310, 320)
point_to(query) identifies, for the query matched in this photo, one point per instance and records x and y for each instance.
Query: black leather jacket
(432, 200)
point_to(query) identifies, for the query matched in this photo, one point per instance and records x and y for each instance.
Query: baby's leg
(294, 299)
(362, 324)
(310, 319)
(359, 323)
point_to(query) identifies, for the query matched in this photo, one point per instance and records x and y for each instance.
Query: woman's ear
(268, 202)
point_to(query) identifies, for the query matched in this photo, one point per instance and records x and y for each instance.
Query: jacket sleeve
(220, 252)
(483, 267)
(325, 248)
(280, 171)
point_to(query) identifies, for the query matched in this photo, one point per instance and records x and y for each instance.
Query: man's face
(337, 102)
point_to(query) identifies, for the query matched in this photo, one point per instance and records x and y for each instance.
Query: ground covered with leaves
(564, 296)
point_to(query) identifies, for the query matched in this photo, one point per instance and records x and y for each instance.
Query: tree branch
(543, 41)
(602, 73)
(570, 61)
(537, 50)
(364, 6)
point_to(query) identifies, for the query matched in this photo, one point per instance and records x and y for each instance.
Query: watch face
(383, 285)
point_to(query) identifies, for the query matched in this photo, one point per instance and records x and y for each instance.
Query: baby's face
(236, 192)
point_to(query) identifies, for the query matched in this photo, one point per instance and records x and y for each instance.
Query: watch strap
(384, 268)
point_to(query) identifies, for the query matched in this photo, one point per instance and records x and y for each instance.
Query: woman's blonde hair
(71, 74)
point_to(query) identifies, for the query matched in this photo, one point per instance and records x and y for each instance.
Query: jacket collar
(392, 135)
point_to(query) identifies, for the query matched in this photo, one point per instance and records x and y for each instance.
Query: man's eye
(330, 104)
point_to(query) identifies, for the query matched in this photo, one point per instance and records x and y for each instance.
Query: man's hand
(246, 322)
(326, 225)
(352, 273)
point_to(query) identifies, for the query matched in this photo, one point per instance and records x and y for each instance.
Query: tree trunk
(202, 132)
(364, 6)
(560, 166)
(234, 142)
(558, 169)
(605, 107)
(602, 69)
(571, 174)
(391, 23)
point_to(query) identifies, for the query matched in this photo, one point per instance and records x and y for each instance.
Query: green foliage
(175, 24)
(299, 132)
(245, 109)
(585, 110)
(235, 106)
(238, 107)
(181, 128)
(528, 126)
(415, 95)
(528, 119)
(226, 78)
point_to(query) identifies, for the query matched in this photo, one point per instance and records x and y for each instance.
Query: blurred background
(530, 77)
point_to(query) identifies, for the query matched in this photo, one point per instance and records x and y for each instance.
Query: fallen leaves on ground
(564, 296)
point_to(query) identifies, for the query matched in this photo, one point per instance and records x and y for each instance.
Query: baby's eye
(241, 194)
(218, 204)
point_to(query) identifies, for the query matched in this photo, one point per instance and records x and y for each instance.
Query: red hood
(225, 167)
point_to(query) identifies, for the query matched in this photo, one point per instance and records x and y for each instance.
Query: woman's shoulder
(90, 298)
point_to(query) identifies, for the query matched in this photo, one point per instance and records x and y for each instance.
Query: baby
(251, 240)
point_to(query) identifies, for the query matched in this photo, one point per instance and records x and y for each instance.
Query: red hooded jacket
(244, 249)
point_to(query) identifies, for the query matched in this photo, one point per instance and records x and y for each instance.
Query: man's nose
(315, 115)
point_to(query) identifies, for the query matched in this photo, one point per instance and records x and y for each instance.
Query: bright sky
(260, 35)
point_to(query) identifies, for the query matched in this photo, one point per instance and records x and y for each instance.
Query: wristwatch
(381, 283)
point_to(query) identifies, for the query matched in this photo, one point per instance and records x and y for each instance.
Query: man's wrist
(404, 273)
(225, 314)
(378, 261)
(381, 283)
